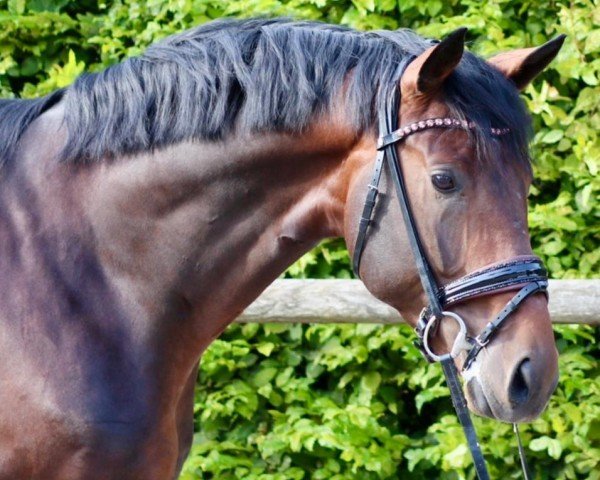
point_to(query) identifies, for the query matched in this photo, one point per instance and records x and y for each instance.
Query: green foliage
(356, 401)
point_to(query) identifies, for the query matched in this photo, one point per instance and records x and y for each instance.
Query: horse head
(467, 191)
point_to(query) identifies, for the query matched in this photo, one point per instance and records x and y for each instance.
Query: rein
(525, 274)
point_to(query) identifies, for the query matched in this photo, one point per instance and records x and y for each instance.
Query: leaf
(371, 381)
(552, 136)
(583, 198)
(264, 376)
(430, 394)
(46, 5)
(364, 6)
(592, 42)
(589, 77)
(458, 457)
(16, 7)
(266, 348)
(553, 248)
(551, 445)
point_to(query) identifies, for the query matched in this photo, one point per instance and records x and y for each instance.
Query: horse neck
(195, 232)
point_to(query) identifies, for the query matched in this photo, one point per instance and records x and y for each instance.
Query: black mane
(250, 76)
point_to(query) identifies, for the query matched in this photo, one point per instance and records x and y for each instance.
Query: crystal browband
(421, 125)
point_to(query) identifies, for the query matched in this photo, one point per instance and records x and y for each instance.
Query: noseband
(525, 273)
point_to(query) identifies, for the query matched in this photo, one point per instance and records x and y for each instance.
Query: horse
(145, 206)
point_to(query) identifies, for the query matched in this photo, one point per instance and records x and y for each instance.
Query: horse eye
(443, 182)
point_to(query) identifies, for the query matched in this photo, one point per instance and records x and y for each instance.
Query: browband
(442, 122)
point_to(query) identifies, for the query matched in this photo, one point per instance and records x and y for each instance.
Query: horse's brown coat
(115, 276)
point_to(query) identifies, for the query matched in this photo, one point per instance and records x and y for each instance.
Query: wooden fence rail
(348, 301)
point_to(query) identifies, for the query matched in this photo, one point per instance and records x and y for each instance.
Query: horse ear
(523, 65)
(427, 72)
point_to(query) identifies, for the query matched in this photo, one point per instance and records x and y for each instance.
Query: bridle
(525, 273)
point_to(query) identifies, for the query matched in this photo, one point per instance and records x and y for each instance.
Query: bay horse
(145, 206)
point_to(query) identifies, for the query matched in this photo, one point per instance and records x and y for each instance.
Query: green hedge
(357, 402)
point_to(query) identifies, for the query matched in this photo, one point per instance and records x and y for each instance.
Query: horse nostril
(518, 390)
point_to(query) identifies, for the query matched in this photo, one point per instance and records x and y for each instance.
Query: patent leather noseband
(525, 274)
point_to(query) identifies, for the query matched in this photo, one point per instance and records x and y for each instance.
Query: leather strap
(462, 412)
(391, 93)
(367, 213)
(443, 122)
(387, 123)
(492, 279)
(486, 334)
(505, 276)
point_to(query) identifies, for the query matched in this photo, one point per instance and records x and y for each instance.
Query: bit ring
(460, 342)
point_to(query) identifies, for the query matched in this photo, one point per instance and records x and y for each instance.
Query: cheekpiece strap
(390, 95)
(367, 213)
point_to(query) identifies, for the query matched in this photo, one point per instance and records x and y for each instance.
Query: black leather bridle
(525, 274)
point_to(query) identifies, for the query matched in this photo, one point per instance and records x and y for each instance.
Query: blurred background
(278, 402)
